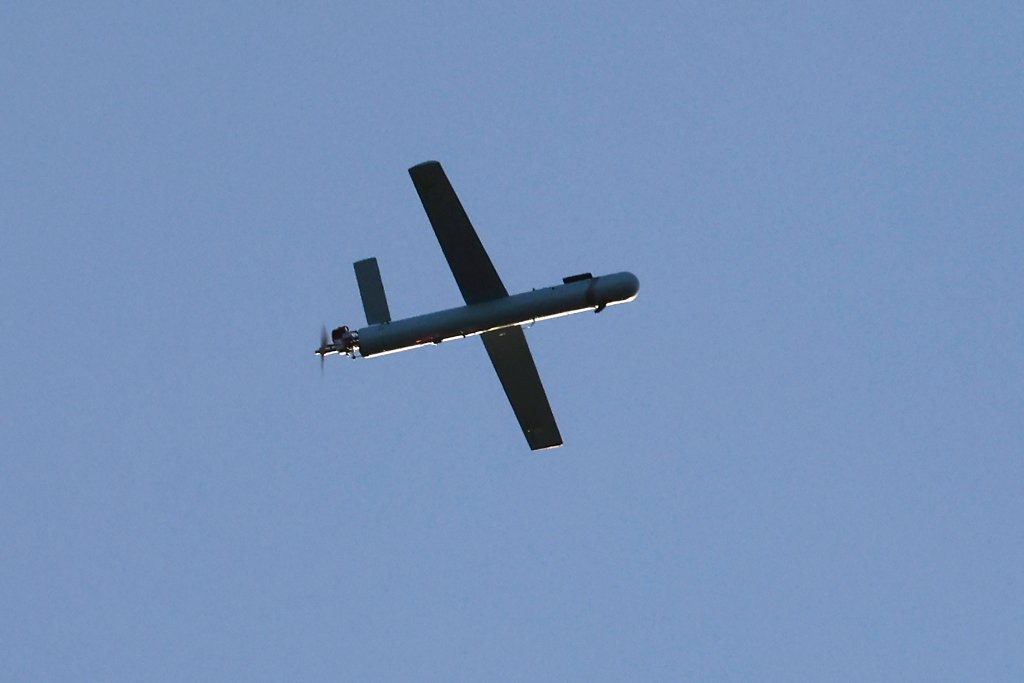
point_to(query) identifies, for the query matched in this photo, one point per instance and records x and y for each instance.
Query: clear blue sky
(796, 456)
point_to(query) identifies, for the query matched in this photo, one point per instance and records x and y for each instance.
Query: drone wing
(470, 264)
(478, 281)
(512, 360)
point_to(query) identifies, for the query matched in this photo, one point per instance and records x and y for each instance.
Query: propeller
(320, 351)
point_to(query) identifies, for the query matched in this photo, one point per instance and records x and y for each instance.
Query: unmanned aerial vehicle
(490, 311)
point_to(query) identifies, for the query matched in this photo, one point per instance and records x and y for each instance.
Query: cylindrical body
(519, 309)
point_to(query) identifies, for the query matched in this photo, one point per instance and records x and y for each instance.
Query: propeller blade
(320, 351)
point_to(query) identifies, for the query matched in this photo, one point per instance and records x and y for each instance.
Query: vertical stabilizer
(371, 290)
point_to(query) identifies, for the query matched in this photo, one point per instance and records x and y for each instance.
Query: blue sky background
(796, 456)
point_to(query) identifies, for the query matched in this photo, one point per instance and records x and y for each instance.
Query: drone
(490, 311)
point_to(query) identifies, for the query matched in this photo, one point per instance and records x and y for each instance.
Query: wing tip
(541, 438)
(424, 165)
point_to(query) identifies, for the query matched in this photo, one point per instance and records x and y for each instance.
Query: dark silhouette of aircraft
(489, 311)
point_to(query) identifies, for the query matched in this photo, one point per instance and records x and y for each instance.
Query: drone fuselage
(575, 296)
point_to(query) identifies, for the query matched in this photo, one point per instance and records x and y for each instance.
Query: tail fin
(371, 290)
